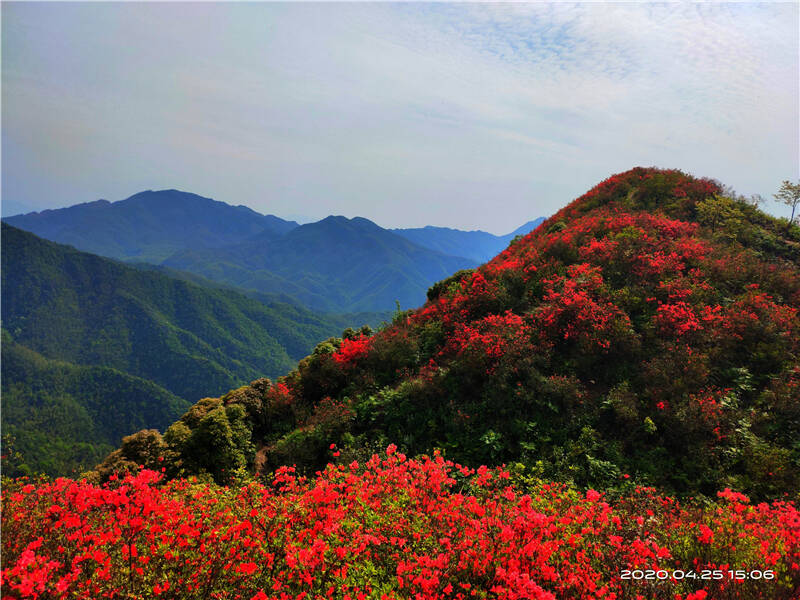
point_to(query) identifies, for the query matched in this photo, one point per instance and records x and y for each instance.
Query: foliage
(789, 194)
(190, 340)
(64, 418)
(87, 332)
(391, 529)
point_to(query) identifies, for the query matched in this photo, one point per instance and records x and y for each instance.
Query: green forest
(134, 334)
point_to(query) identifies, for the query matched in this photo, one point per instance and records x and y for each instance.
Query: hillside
(191, 340)
(284, 302)
(151, 225)
(333, 265)
(479, 246)
(646, 332)
(61, 418)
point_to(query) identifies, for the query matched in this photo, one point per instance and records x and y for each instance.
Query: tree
(789, 194)
(720, 211)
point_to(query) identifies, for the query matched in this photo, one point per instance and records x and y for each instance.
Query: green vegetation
(193, 341)
(789, 194)
(88, 331)
(60, 418)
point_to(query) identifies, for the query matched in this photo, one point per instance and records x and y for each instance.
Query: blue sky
(465, 115)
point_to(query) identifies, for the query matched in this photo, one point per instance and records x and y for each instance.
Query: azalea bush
(390, 528)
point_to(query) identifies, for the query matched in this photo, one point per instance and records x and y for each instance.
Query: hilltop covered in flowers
(649, 330)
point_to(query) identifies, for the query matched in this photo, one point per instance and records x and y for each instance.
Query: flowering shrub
(392, 528)
(351, 350)
(488, 339)
(574, 308)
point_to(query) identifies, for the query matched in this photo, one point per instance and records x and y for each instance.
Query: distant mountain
(63, 418)
(336, 264)
(151, 225)
(523, 229)
(191, 340)
(479, 246)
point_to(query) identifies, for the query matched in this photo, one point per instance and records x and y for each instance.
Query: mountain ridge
(477, 245)
(149, 225)
(236, 246)
(325, 265)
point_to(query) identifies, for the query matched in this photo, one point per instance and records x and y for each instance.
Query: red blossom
(418, 531)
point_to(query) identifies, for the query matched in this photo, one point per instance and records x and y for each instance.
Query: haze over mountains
(150, 226)
(479, 246)
(334, 265)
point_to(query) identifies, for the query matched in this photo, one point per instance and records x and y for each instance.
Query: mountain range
(150, 226)
(479, 246)
(183, 297)
(334, 265)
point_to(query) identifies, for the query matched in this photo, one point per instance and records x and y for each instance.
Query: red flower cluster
(491, 337)
(395, 528)
(351, 350)
(574, 308)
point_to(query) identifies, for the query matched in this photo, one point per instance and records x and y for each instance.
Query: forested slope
(89, 331)
(60, 418)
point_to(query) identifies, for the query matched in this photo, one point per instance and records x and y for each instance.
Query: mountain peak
(168, 195)
(151, 225)
(360, 223)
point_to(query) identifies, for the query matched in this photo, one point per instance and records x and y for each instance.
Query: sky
(475, 116)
